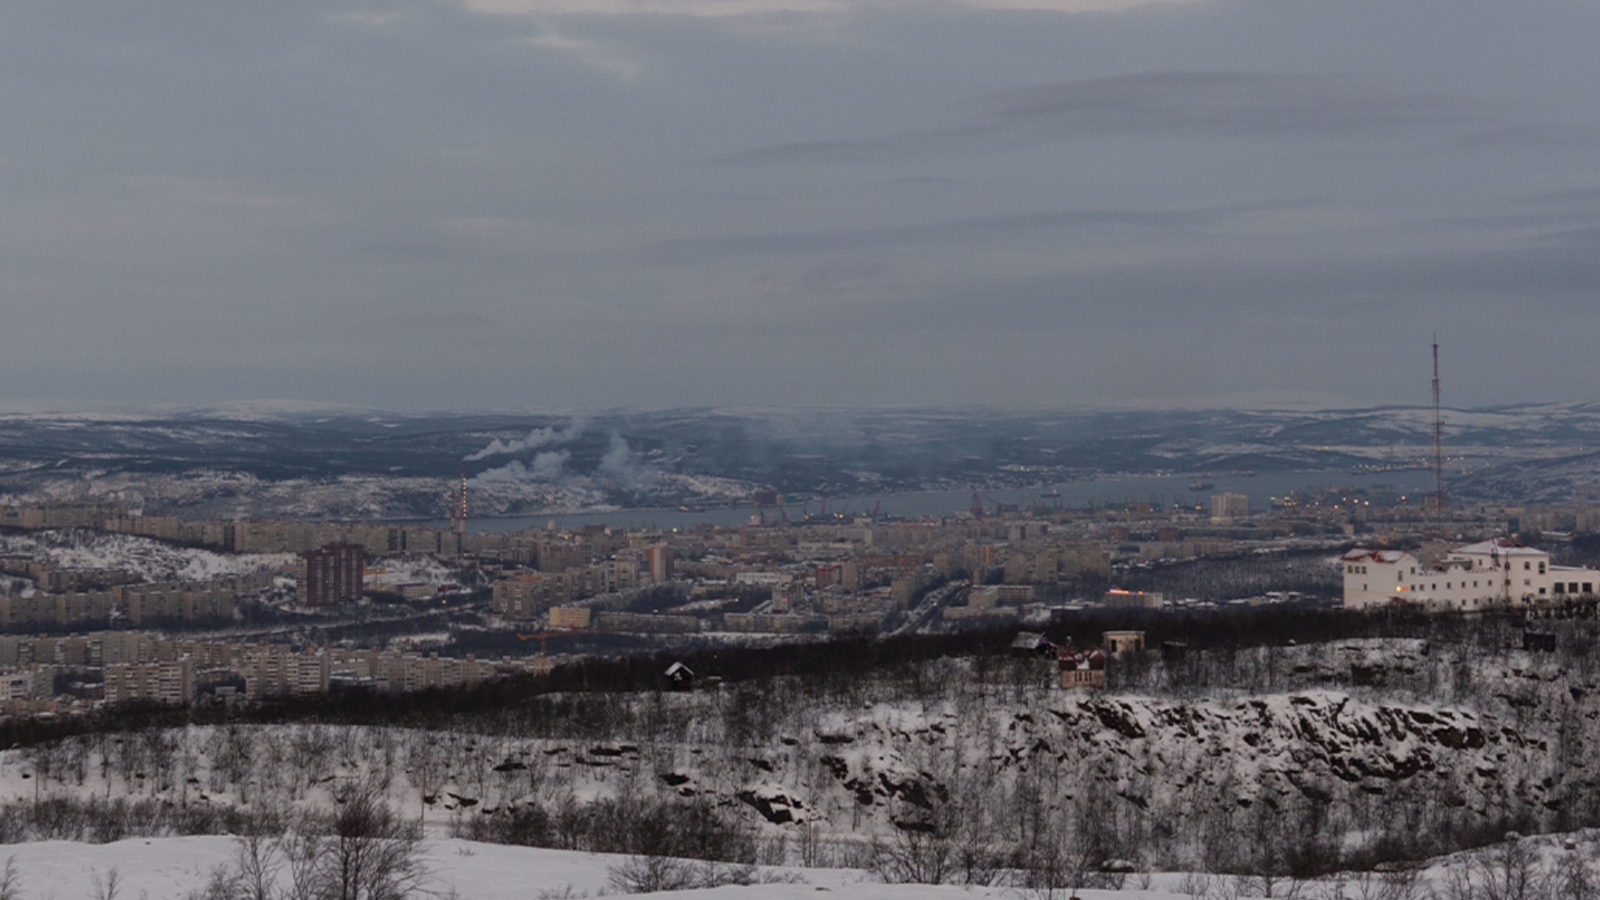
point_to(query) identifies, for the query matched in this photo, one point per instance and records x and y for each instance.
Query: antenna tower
(1436, 497)
(461, 512)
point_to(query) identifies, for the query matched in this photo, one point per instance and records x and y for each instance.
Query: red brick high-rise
(333, 574)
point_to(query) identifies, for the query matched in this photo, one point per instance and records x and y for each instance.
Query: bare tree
(1195, 885)
(1401, 882)
(368, 852)
(650, 874)
(1574, 880)
(108, 887)
(10, 881)
(257, 862)
(914, 856)
(1459, 882)
(1508, 870)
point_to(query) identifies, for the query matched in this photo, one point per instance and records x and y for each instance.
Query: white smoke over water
(539, 437)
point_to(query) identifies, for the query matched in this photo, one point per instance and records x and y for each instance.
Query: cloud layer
(596, 203)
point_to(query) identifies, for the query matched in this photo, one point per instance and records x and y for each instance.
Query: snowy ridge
(369, 464)
(1511, 746)
(148, 559)
(207, 493)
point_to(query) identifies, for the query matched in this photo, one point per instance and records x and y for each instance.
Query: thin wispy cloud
(1160, 104)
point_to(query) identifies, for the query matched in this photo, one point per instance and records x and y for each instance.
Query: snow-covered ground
(161, 868)
(397, 570)
(170, 867)
(81, 549)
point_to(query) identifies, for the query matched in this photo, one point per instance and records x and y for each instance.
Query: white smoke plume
(539, 437)
(619, 465)
(549, 466)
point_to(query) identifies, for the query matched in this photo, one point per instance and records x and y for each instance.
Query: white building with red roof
(1497, 572)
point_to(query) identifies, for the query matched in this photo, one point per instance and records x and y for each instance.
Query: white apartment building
(1227, 506)
(168, 681)
(1498, 572)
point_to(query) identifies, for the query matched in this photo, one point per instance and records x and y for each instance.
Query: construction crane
(543, 637)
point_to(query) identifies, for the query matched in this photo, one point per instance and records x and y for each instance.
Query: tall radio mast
(1436, 502)
(461, 513)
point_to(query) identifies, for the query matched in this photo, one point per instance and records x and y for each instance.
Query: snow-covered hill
(369, 465)
(1356, 747)
(150, 560)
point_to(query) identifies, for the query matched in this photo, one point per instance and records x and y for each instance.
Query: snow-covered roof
(1085, 661)
(1503, 546)
(1384, 556)
(1029, 640)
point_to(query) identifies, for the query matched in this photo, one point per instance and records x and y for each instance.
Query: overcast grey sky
(559, 203)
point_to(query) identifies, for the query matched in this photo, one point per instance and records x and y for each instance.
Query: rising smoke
(539, 437)
(618, 466)
(550, 466)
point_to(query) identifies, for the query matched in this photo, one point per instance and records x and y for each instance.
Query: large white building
(1498, 572)
(1227, 507)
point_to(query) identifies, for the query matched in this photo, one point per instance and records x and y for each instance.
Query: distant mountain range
(272, 460)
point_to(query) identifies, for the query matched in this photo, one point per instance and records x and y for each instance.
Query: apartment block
(164, 682)
(332, 574)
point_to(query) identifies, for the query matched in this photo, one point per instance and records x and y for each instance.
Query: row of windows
(1362, 570)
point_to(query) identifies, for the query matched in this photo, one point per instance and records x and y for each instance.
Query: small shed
(679, 677)
(1032, 643)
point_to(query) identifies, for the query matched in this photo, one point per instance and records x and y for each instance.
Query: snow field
(168, 868)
